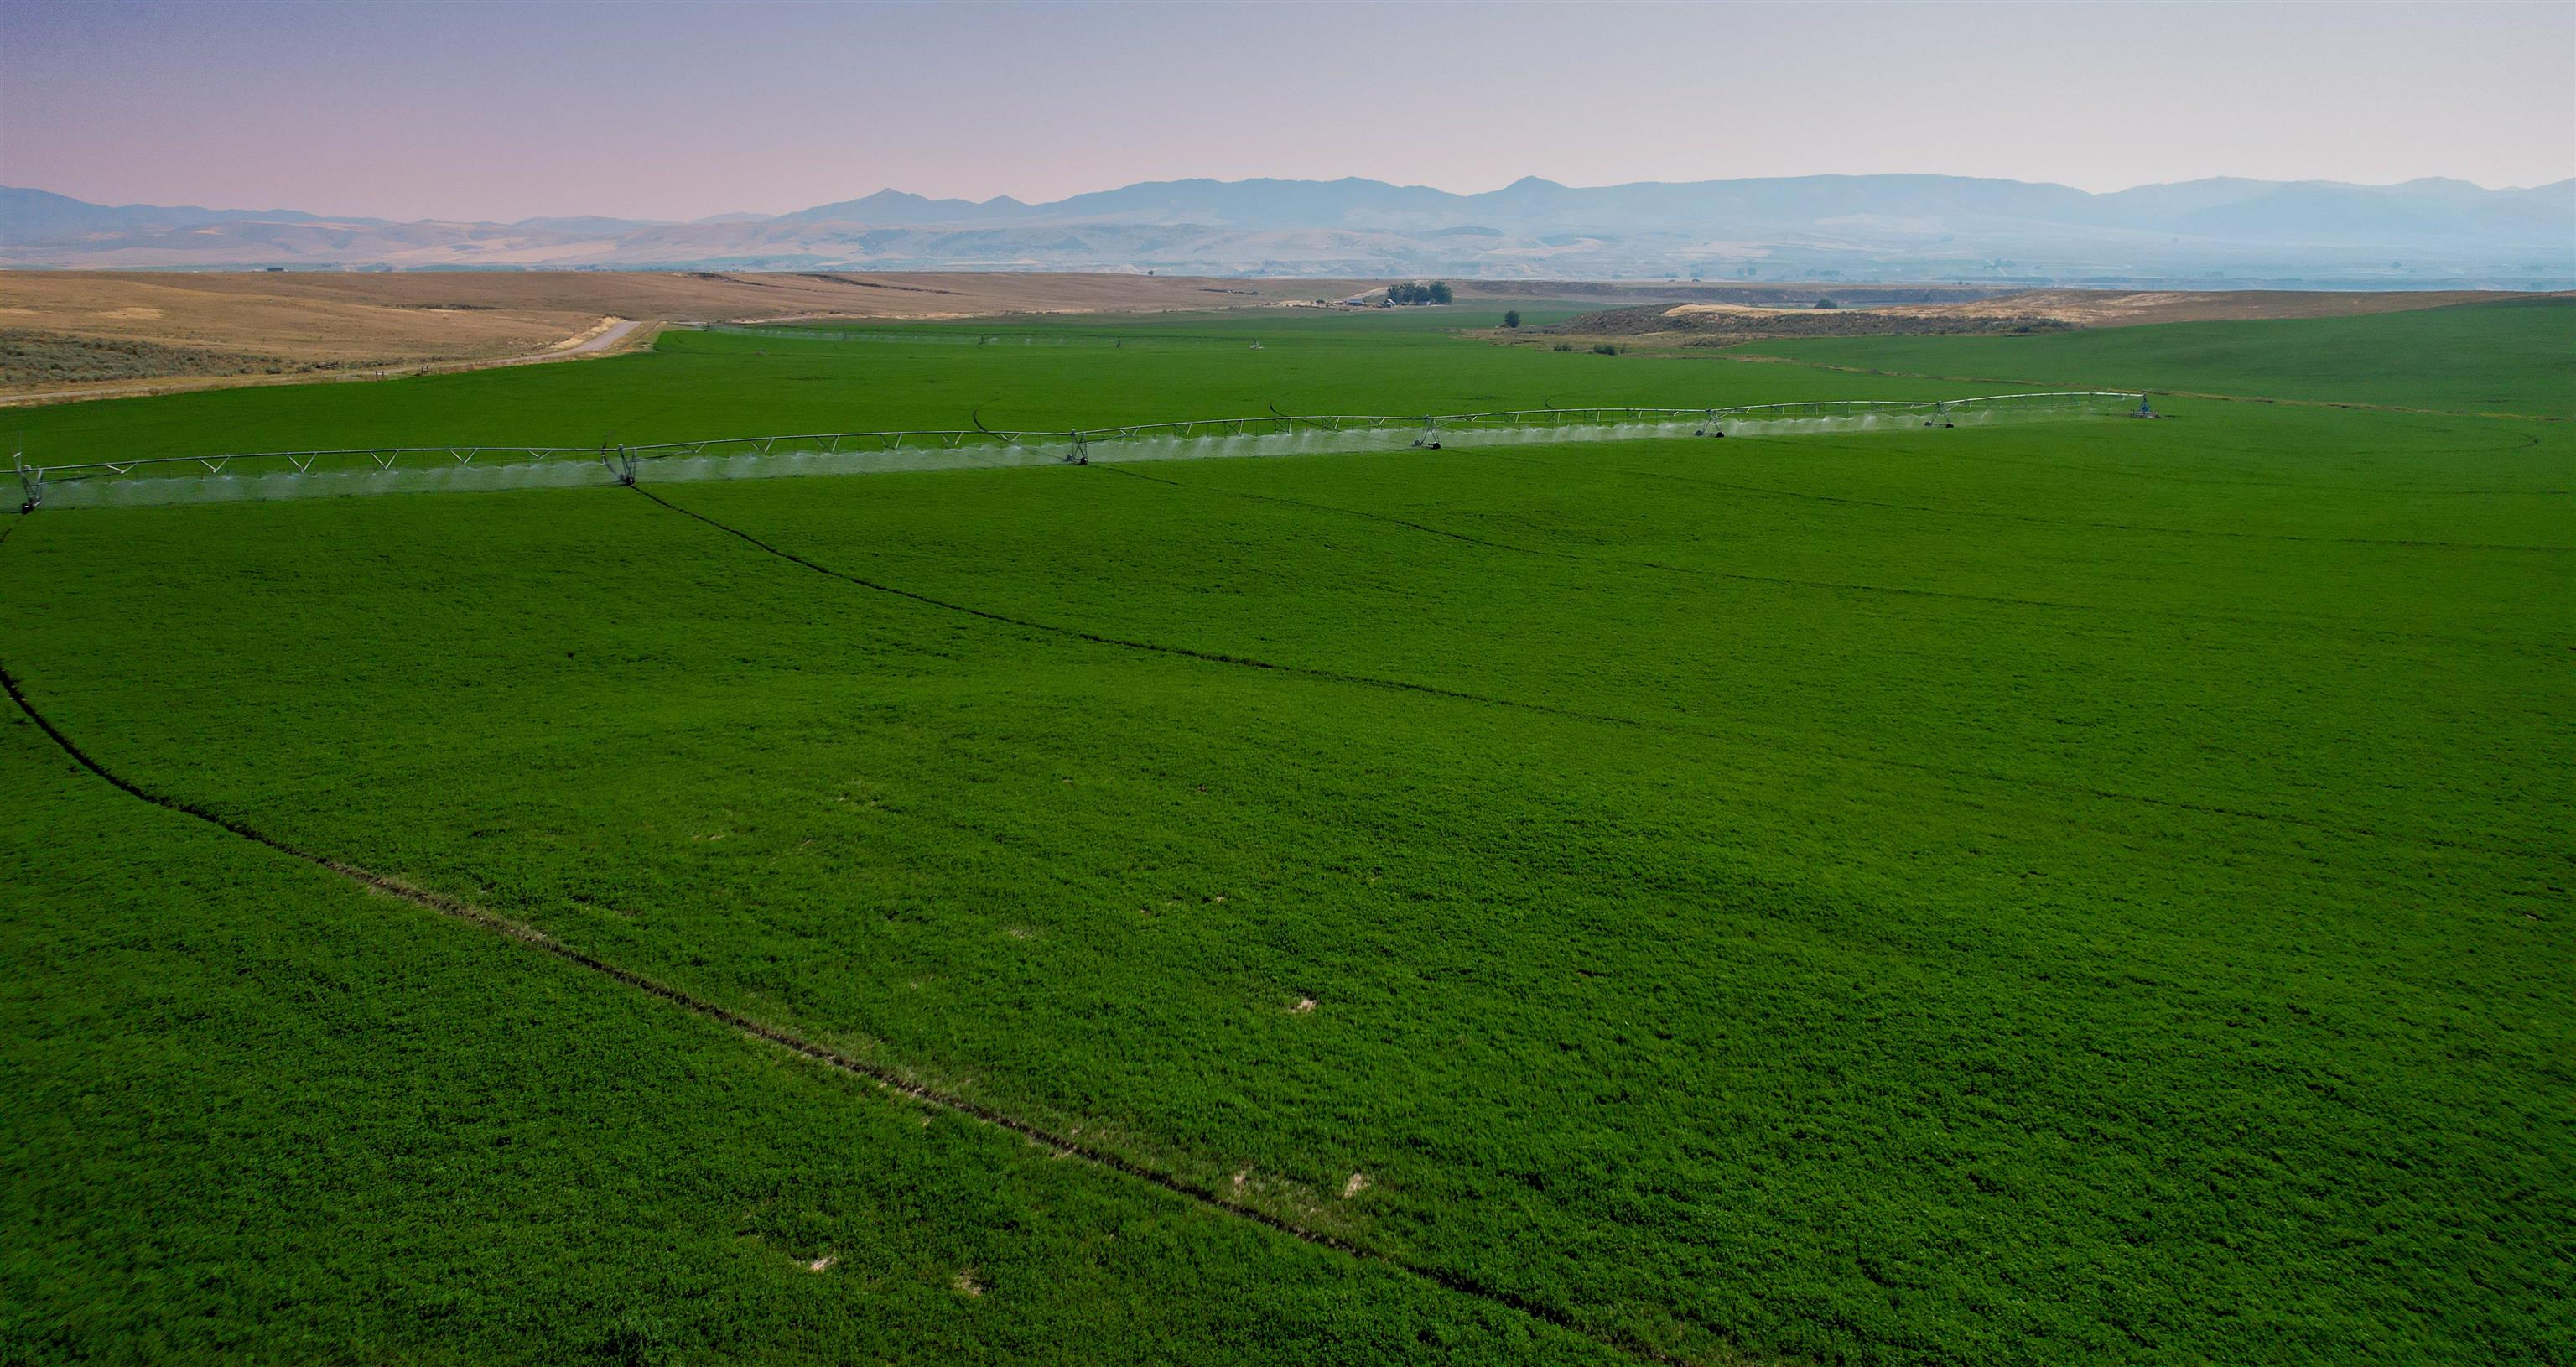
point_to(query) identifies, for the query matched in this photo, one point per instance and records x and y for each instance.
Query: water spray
(260, 476)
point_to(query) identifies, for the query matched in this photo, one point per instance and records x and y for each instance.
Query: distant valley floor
(83, 334)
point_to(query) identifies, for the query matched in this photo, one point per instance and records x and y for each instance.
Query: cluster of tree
(1418, 292)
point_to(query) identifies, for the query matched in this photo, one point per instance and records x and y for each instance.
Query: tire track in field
(1149, 647)
(892, 1080)
(2088, 609)
(1760, 358)
(1580, 558)
(884, 1077)
(1600, 718)
(2169, 477)
(2139, 527)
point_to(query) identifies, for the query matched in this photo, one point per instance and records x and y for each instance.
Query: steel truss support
(619, 462)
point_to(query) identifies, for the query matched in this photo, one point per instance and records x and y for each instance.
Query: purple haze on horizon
(482, 111)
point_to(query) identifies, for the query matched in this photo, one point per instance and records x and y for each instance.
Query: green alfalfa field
(2050, 892)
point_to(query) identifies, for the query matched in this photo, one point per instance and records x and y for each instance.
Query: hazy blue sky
(416, 108)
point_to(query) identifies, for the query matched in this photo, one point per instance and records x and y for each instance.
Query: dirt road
(610, 332)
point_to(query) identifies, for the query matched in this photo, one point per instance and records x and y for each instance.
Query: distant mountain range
(1893, 228)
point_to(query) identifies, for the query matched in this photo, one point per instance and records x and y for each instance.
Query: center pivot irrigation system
(388, 469)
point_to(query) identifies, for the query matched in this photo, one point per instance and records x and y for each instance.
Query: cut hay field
(2050, 892)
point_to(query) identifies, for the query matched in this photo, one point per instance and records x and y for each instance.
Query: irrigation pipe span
(257, 475)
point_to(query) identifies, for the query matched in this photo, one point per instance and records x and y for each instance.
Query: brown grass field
(202, 329)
